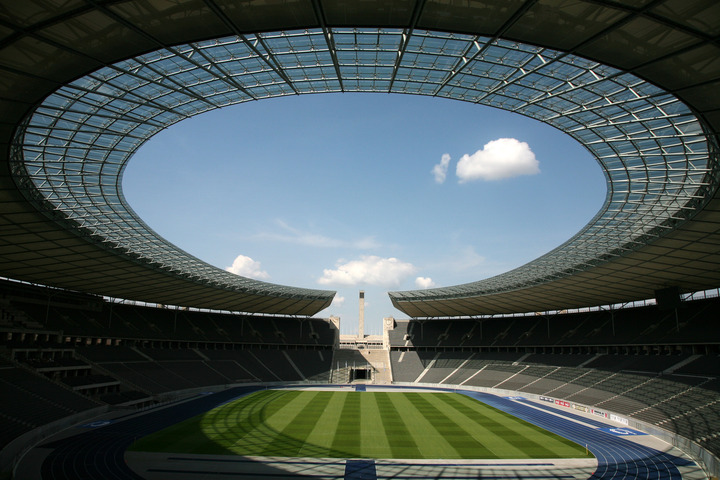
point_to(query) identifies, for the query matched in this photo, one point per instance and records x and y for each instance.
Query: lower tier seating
(30, 400)
(687, 405)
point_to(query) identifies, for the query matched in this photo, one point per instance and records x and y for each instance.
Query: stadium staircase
(681, 364)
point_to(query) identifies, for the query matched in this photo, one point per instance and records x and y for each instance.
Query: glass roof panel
(650, 145)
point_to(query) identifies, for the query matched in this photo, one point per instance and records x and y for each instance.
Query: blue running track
(617, 457)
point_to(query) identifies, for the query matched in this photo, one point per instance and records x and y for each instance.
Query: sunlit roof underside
(652, 130)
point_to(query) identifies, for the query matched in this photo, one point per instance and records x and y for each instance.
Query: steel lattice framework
(659, 156)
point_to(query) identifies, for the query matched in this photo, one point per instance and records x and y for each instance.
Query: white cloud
(247, 267)
(501, 158)
(369, 270)
(440, 170)
(338, 301)
(424, 282)
(299, 237)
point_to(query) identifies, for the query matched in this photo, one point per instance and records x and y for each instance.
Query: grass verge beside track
(321, 424)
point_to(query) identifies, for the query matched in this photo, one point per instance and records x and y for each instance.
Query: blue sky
(343, 192)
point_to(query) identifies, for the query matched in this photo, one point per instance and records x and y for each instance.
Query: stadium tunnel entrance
(360, 374)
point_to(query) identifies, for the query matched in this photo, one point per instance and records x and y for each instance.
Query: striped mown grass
(321, 424)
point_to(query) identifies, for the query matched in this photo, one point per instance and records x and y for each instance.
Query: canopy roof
(87, 83)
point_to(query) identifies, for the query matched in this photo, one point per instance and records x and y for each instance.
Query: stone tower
(361, 329)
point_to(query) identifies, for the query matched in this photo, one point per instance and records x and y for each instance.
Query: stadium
(608, 345)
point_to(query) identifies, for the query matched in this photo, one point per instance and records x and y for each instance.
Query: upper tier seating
(629, 331)
(76, 315)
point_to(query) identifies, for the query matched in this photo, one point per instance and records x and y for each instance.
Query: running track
(98, 453)
(617, 457)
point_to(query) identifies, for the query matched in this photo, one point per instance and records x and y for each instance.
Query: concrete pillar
(335, 322)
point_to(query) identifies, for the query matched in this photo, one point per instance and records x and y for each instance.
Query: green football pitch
(341, 424)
